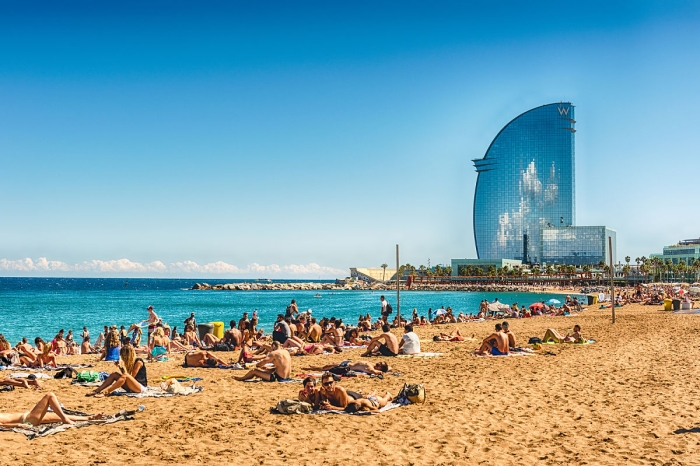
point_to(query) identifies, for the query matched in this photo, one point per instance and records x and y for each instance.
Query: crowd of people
(267, 356)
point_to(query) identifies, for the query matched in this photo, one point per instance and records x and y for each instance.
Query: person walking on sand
(153, 319)
(281, 371)
(385, 309)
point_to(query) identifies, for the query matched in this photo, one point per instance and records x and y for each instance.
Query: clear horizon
(299, 140)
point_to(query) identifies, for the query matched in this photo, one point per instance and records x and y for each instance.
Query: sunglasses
(328, 384)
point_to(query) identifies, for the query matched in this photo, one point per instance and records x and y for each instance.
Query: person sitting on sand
(389, 347)
(495, 344)
(190, 337)
(359, 366)
(315, 332)
(202, 359)
(159, 344)
(247, 355)
(334, 336)
(310, 393)
(25, 383)
(509, 334)
(45, 358)
(112, 347)
(131, 376)
(551, 335)
(371, 402)
(85, 347)
(281, 370)
(26, 353)
(41, 415)
(410, 343)
(233, 336)
(455, 335)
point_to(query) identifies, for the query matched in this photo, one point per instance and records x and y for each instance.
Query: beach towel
(587, 342)
(389, 406)
(43, 430)
(179, 378)
(276, 381)
(510, 354)
(419, 355)
(158, 392)
(24, 375)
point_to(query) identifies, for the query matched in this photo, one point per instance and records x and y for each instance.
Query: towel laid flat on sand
(510, 354)
(157, 392)
(24, 375)
(419, 355)
(43, 430)
(276, 381)
(390, 405)
(587, 342)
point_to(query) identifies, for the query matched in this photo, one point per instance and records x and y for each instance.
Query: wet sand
(633, 397)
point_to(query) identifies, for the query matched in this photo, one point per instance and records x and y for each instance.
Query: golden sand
(633, 397)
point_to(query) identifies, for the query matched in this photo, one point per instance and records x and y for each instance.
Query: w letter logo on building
(563, 111)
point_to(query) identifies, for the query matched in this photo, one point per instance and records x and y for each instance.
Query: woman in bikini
(131, 376)
(41, 415)
(159, 344)
(45, 358)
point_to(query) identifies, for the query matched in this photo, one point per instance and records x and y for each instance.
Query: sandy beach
(633, 397)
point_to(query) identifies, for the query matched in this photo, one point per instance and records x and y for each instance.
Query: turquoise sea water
(31, 307)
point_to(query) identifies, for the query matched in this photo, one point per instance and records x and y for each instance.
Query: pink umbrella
(536, 306)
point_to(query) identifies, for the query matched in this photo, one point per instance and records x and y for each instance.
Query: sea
(31, 307)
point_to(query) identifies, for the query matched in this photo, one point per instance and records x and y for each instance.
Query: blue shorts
(496, 352)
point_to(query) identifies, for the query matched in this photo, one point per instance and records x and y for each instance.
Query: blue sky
(300, 139)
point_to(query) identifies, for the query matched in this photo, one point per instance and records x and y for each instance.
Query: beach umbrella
(536, 306)
(694, 289)
(440, 312)
(553, 301)
(681, 291)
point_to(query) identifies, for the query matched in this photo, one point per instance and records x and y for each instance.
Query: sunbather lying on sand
(455, 335)
(572, 337)
(202, 359)
(371, 402)
(281, 370)
(359, 366)
(25, 383)
(40, 414)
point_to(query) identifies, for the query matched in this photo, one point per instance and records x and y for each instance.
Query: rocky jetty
(358, 285)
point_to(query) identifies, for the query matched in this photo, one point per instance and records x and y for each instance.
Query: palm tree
(637, 260)
(448, 270)
(626, 272)
(421, 269)
(384, 266)
(696, 268)
(668, 267)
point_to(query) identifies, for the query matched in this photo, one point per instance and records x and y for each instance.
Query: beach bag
(67, 372)
(173, 386)
(413, 392)
(534, 340)
(87, 376)
(222, 347)
(388, 310)
(289, 406)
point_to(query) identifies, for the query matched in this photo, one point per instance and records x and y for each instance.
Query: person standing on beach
(191, 321)
(152, 321)
(292, 309)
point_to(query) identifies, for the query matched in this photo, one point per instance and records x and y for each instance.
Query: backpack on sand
(289, 406)
(413, 392)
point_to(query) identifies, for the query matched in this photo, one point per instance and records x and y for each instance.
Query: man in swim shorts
(359, 366)
(389, 347)
(509, 334)
(281, 370)
(495, 344)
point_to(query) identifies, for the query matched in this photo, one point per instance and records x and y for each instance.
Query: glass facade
(525, 183)
(576, 245)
